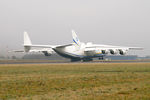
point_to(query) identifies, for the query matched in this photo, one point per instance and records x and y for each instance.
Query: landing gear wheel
(87, 59)
(101, 58)
(75, 60)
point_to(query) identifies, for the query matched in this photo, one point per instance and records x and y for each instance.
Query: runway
(67, 61)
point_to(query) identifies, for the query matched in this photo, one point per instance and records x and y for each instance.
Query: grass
(91, 81)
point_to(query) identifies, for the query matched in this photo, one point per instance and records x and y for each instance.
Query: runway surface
(64, 61)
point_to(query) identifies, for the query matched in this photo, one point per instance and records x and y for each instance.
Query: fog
(115, 22)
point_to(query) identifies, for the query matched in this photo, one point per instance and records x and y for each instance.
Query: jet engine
(122, 52)
(105, 51)
(113, 51)
(47, 53)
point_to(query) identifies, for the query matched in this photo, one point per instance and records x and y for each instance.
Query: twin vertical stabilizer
(27, 42)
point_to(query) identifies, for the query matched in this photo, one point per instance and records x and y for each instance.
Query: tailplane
(75, 38)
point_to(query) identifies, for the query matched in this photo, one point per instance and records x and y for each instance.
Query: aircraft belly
(73, 53)
(67, 53)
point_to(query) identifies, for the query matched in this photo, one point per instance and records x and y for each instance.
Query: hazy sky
(116, 22)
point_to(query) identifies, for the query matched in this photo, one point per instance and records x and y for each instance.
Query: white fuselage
(75, 51)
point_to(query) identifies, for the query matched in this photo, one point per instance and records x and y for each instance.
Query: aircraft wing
(105, 49)
(17, 51)
(64, 45)
(40, 46)
(135, 48)
(112, 47)
(34, 50)
(48, 46)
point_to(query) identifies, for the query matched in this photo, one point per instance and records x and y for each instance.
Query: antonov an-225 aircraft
(77, 50)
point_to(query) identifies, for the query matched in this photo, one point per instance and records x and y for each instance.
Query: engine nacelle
(27, 48)
(122, 52)
(105, 51)
(113, 51)
(47, 53)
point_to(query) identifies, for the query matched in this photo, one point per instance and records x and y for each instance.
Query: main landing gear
(101, 58)
(75, 60)
(87, 59)
(84, 60)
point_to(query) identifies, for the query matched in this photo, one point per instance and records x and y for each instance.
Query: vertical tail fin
(75, 38)
(27, 42)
